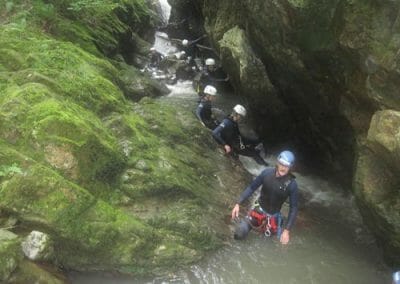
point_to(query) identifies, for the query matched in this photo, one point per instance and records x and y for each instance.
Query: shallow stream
(329, 243)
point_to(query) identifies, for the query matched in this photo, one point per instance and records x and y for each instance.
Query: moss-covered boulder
(376, 181)
(117, 184)
(30, 272)
(10, 254)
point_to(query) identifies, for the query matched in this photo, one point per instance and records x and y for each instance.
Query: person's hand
(284, 237)
(235, 211)
(227, 149)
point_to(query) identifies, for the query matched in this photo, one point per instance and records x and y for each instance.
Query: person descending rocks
(204, 109)
(210, 75)
(155, 58)
(277, 185)
(190, 46)
(228, 135)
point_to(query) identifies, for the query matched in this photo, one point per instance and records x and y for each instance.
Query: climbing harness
(264, 223)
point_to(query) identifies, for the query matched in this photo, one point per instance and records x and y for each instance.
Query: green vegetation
(78, 157)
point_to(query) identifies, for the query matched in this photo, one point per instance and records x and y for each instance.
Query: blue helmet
(286, 158)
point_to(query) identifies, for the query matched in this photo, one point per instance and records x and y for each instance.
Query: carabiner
(242, 146)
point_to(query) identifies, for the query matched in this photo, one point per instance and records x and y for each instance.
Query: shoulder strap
(289, 181)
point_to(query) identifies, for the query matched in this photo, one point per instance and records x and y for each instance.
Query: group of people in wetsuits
(277, 183)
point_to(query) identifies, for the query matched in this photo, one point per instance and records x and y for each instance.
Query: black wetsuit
(227, 133)
(155, 59)
(208, 77)
(204, 113)
(274, 192)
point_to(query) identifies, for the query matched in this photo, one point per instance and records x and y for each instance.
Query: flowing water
(329, 243)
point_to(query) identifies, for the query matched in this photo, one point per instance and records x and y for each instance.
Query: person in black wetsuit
(210, 75)
(155, 57)
(228, 135)
(204, 109)
(278, 184)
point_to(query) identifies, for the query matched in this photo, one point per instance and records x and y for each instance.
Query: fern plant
(10, 170)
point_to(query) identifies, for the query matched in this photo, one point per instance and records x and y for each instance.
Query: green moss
(72, 215)
(10, 254)
(82, 150)
(68, 70)
(91, 24)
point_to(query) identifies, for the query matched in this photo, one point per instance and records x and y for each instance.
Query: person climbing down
(155, 57)
(204, 109)
(278, 184)
(210, 75)
(190, 46)
(228, 135)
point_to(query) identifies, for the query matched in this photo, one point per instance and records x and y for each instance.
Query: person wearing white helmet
(185, 42)
(190, 46)
(204, 109)
(210, 75)
(278, 185)
(228, 135)
(210, 63)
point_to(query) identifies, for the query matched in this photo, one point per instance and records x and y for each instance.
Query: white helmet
(210, 62)
(153, 49)
(239, 109)
(185, 42)
(210, 90)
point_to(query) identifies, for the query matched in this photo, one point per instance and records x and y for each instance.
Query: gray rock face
(325, 67)
(376, 181)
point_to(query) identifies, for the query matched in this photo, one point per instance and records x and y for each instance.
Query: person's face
(211, 98)
(281, 170)
(237, 117)
(211, 68)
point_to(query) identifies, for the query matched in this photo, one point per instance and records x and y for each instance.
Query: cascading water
(165, 10)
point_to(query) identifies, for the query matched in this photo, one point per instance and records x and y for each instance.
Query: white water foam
(165, 10)
(163, 45)
(182, 89)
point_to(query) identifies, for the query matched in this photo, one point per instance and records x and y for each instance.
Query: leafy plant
(10, 170)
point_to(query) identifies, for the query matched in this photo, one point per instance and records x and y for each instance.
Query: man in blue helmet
(278, 184)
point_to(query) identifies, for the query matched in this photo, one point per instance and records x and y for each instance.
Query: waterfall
(165, 10)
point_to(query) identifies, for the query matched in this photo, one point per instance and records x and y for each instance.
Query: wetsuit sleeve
(197, 40)
(293, 204)
(256, 183)
(198, 111)
(217, 132)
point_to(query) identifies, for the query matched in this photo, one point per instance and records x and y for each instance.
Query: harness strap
(265, 226)
(242, 146)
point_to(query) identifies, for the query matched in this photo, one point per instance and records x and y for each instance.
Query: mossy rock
(10, 253)
(80, 162)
